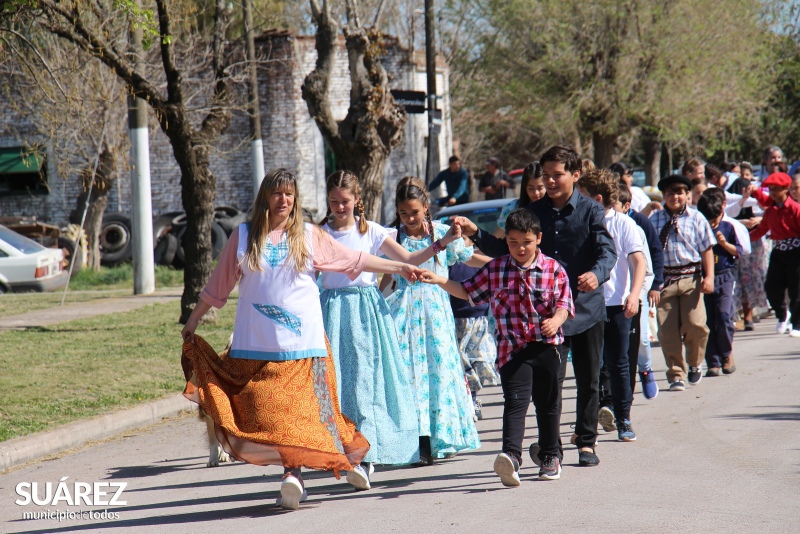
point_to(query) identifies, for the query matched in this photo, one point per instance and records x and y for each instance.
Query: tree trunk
(369, 169)
(198, 192)
(97, 197)
(374, 124)
(603, 149)
(652, 157)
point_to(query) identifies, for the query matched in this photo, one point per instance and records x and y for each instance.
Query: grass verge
(87, 285)
(89, 367)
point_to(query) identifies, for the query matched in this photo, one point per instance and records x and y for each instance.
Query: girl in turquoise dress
(426, 331)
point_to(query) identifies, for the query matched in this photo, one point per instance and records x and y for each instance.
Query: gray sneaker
(359, 478)
(677, 385)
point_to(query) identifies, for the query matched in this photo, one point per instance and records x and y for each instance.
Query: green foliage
(566, 69)
(141, 19)
(121, 276)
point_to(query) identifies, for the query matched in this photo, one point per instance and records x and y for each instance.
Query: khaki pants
(682, 321)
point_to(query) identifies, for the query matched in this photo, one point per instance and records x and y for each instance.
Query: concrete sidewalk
(721, 456)
(92, 308)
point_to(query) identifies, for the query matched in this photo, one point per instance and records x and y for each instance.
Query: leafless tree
(373, 127)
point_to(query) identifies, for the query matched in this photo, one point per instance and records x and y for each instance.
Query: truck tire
(115, 239)
(164, 253)
(218, 240)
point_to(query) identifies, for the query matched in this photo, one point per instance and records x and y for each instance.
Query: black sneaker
(551, 468)
(507, 467)
(533, 450)
(587, 458)
(625, 431)
(695, 375)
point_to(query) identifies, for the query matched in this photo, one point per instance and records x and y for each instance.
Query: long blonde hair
(348, 181)
(276, 180)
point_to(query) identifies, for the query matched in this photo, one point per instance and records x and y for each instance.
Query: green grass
(121, 277)
(87, 285)
(90, 367)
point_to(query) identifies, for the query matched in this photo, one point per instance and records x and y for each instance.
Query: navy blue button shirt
(577, 238)
(654, 245)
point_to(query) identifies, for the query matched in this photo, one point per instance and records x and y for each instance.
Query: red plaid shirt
(520, 299)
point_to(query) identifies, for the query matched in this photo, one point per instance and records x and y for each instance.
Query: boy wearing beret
(782, 220)
(686, 240)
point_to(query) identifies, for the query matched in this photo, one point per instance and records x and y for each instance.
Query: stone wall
(291, 138)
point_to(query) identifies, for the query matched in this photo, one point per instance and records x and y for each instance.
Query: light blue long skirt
(373, 384)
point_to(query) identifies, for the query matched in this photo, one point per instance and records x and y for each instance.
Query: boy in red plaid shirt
(530, 299)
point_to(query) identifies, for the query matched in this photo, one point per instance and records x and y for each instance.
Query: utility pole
(144, 278)
(253, 106)
(432, 163)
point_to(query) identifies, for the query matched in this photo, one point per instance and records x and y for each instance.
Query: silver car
(25, 265)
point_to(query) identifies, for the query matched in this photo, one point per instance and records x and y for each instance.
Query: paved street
(722, 456)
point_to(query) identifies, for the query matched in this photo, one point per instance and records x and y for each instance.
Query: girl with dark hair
(426, 331)
(273, 400)
(532, 189)
(372, 377)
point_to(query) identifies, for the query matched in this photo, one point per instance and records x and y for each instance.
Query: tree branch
(352, 13)
(41, 58)
(379, 14)
(174, 92)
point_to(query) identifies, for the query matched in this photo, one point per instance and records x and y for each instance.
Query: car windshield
(484, 218)
(19, 242)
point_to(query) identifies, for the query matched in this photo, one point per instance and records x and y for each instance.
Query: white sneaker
(606, 419)
(507, 469)
(371, 468)
(781, 328)
(794, 333)
(292, 494)
(359, 478)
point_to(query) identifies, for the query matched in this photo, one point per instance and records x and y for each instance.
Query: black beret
(664, 183)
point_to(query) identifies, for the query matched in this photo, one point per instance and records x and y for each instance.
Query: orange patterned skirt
(273, 413)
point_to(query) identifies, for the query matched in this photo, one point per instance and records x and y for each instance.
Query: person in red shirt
(782, 220)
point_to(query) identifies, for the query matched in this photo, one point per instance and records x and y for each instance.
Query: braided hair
(348, 181)
(412, 188)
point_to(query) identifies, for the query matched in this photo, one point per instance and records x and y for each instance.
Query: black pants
(634, 340)
(783, 275)
(532, 372)
(586, 350)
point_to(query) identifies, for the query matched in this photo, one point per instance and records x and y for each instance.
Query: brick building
(291, 139)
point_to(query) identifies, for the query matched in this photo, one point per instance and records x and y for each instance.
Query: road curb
(19, 451)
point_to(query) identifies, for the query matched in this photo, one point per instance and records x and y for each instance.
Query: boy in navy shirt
(720, 304)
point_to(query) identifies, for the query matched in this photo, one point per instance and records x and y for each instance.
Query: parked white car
(25, 265)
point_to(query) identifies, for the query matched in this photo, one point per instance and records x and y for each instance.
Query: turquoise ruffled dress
(426, 332)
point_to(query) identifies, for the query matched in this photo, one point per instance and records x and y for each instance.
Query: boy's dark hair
(454, 159)
(710, 203)
(523, 220)
(563, 154)
(620, 168)
(601, 182)
(624, 195)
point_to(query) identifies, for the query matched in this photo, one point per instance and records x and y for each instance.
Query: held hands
(410, 272)
(429, 277)
(550, 327)
(587, 282)
(467, 227)
(187, 334)
(654, 297)
(452, 234)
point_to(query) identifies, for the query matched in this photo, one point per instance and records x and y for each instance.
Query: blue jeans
(720, 309)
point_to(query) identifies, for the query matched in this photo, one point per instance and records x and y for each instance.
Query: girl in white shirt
(374, 386)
